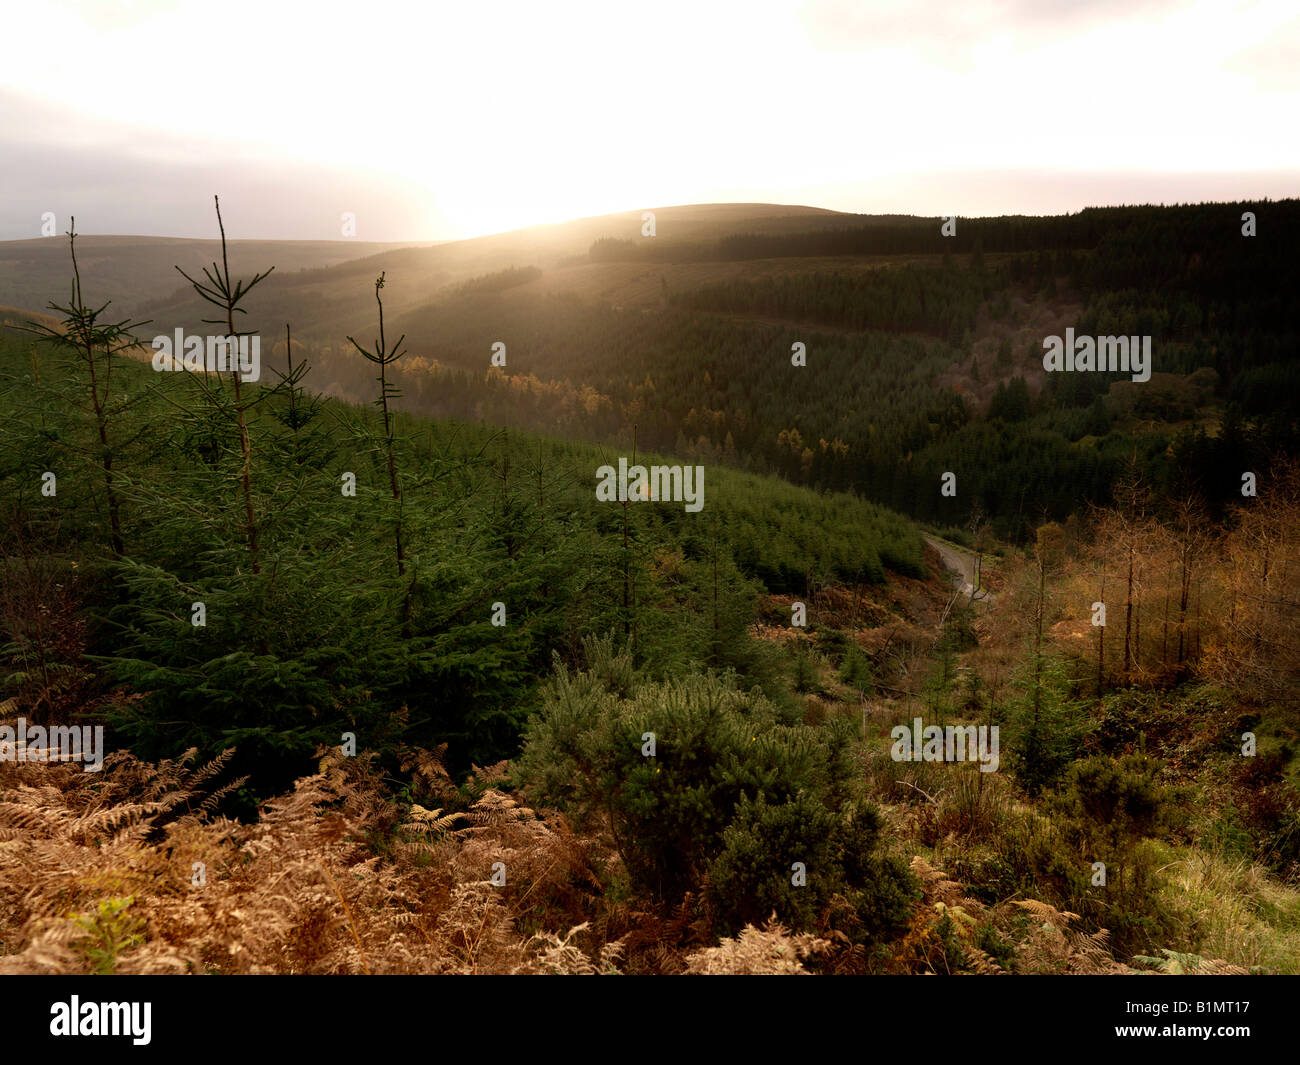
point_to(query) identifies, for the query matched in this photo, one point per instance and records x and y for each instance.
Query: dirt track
(961, 562)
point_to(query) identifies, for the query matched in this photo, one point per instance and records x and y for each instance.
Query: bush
(1104, 810)
(857, 671)
(732, 796)
(755, 875)
(1046, 727)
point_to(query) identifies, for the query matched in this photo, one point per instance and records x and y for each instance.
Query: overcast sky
(435, 120)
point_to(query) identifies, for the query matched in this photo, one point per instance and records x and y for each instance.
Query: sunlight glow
(519, 113)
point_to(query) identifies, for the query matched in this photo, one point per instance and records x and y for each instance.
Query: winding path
(961, 562)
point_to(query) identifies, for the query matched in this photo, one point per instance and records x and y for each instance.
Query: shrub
(761, 848)
(1046, 727)
(732, 796)
(857, 671)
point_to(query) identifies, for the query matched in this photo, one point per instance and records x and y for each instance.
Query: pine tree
(96, 344)
(384, 357)
(222, 294)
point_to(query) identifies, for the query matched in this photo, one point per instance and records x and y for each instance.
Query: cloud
(103, 15)
(1273, 65)
(947, 34)
(117, 178)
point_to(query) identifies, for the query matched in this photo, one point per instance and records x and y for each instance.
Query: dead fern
(943, 934)
(1053, 946)
(560, 956)
(771, 951)
(1176, 964)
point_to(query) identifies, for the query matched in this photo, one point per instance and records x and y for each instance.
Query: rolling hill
(924, 352)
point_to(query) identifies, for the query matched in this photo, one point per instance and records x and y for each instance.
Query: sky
(433, 120)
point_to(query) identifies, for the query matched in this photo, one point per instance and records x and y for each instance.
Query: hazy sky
(434, 120)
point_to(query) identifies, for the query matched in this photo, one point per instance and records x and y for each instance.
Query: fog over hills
(323, 284)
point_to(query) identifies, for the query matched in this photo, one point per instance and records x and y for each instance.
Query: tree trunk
(1128, 610)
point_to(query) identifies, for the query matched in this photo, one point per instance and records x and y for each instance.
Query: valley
(442, 660)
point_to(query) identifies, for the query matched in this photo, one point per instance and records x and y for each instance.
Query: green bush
(753, 875)
(1046, 728)
(734, 794)
(1104, 810)
(857, 671)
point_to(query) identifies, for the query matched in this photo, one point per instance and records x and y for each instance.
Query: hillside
(322, 286)
(134, 271)
(499, 490)
(917, 363)
(375, 642)
(923, 352)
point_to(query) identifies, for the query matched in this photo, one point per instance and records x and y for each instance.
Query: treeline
(499, 281)
(1126, 238)
(943, 302)
(883, 236)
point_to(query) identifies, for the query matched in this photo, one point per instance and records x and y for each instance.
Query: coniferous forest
(424, 565)
(372, 608)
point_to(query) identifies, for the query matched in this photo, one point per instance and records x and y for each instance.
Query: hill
(493, 725)
(420, 694)
(133, 271)
(923, 352)
(494, 514)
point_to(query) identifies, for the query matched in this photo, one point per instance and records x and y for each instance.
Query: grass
(1234, 910)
